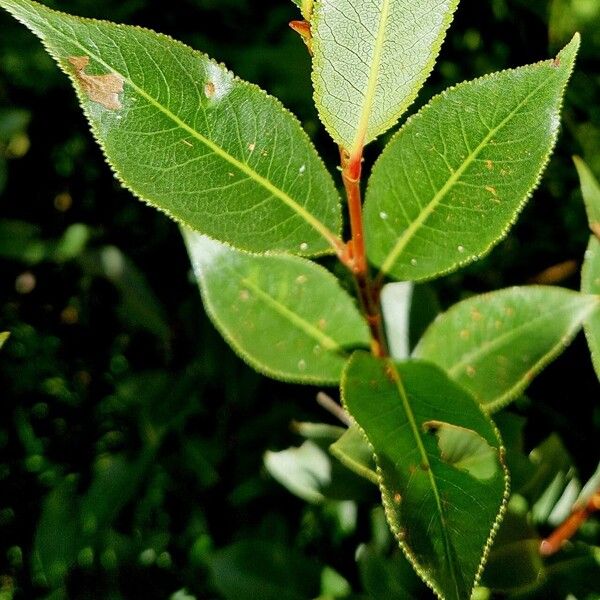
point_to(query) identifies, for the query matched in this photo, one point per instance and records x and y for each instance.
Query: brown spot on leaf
(209, 89)
(595, 227)
(489, 164)
(103, 89)
(397, 498)
(491, 190)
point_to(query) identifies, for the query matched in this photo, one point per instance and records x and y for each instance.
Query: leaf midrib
(369, 99)
(327, 342)
(322, 229)
(410, 231)
(425, 459)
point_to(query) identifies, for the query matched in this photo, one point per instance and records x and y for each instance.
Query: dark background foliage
(131, 437)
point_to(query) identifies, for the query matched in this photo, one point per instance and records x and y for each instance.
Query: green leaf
(388, 578)
(286, 316)
(443, 517)
(54, 552)
(590, 271)
(451, 182)
(306, 7)
(318, 432)
(182, 133)
(4, 335)
(494, 344)
(571, 573)
(590, 189)
(353, 451)
(590, 284)
(304, 471)
(138, 306)
(371, 59)
(260, 570)
(514, 560)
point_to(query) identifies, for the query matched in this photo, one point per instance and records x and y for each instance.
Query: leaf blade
(376, 56)
(287, 317)
(354, 452)
(424, 497)
(447, 172)
(493, 344)
(590, 284)
(211, 151)
(590, 189)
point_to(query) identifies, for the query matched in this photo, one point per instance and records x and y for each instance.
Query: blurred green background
(132, 438)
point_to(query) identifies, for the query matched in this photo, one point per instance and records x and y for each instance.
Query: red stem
(568, 529)
(356, 255)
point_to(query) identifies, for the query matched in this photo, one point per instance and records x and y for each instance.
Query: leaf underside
(451, 182)
(370, 60)
(286, 316)
(494, 344)
(443, 514)
(181, 132)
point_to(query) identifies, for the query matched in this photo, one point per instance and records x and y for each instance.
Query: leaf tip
(568, 54)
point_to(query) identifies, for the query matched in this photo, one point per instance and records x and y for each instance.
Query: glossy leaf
(353, 451)
(494, 344)
(371, 59)
(443, 517)
(181, 132)
(451, 182)
(286, 316)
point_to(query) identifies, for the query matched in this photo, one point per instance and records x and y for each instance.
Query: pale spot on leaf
(103, 89)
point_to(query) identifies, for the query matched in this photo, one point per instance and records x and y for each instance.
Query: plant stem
(353, 253)
(355, 257)
(567, 530)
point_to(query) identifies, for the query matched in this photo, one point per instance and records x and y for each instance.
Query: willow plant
(257, 206)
